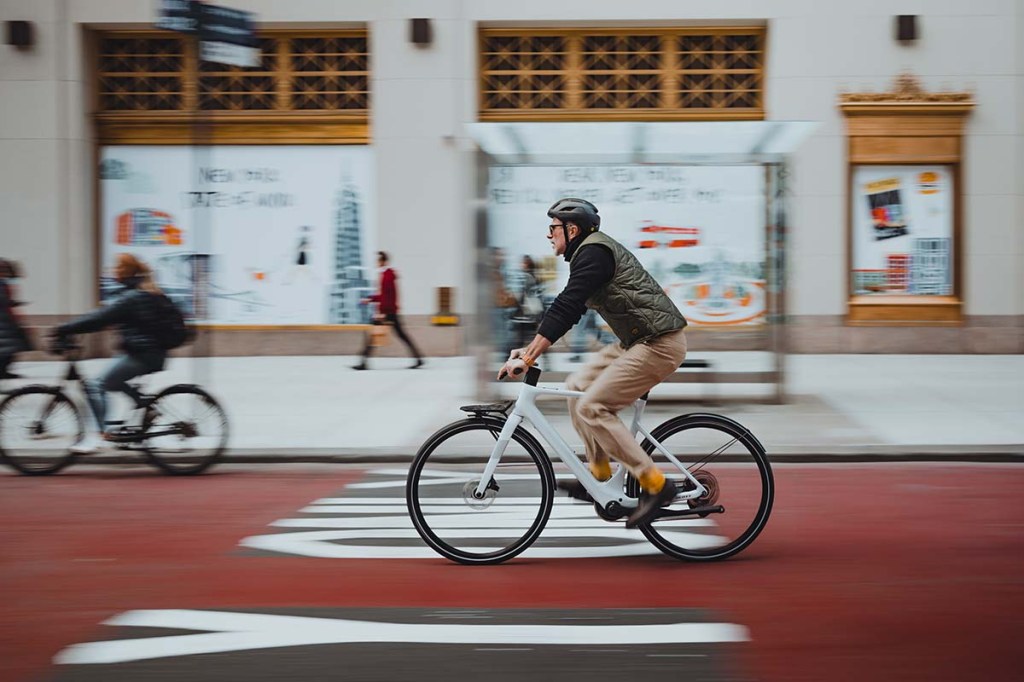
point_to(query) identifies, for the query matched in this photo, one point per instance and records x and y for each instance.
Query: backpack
(170, 329)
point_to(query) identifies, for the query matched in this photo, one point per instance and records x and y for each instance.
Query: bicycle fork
(504, 436)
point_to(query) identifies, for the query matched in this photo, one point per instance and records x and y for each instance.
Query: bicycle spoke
(704, 461)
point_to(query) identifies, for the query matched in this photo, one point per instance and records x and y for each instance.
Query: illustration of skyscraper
(349, 285)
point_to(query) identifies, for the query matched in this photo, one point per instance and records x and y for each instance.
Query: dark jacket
(13, 338)
(134, 313)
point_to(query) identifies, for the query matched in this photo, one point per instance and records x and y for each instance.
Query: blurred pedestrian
(529, 306)
(14, 337)
(141, 315)
(590, 328)
(386, 299)
(505, 303)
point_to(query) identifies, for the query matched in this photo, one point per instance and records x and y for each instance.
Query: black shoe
(575, 490)
(417, 364)
(361, 365)
(651, 503)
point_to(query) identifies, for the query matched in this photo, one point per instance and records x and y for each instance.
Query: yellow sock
(602, 471)
(652, 480)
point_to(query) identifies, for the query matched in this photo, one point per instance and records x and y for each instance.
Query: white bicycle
(489, 464)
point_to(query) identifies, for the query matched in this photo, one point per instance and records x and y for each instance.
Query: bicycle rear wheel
(38, 425)
(515, 507)
(730, 462)
(185, 430)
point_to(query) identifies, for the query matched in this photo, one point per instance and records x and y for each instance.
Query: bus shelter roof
(640, 142)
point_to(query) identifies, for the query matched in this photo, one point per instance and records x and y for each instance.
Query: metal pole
(202, 141)
(777, 176)
(481, 333)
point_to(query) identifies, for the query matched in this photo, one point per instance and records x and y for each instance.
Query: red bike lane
(901, 572)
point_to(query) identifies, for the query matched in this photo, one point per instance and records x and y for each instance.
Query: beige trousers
(614, 379)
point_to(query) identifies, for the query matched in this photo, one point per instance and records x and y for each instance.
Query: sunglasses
(552, 228)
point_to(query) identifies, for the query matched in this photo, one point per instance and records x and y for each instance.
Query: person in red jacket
(386, 299)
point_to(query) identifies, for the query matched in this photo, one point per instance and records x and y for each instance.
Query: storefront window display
(902, 230)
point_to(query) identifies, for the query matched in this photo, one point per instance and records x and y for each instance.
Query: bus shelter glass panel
(699, 230)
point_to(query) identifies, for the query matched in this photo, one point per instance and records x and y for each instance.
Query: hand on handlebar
(513, 369)
(61, 343)
(516, 353)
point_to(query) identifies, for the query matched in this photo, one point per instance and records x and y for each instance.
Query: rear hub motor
(711, 490)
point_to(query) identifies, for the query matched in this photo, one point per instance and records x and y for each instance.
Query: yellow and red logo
(147, 227)
(928, 182)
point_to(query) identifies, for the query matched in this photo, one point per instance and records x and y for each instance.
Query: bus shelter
(701, 204)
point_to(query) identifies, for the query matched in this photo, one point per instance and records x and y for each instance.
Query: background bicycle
(481, 490)
(181, 430)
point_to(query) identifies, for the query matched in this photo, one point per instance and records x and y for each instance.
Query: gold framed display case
(904, 205)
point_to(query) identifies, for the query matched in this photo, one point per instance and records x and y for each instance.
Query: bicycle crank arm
(669, 514)
(138, 436)
(173, 431)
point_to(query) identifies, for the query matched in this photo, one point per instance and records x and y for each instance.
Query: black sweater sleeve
(106, 316)
(591, 269)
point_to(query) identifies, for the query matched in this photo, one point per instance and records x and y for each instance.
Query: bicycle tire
(52, 464)
(536, 454)
(151, 422)
(756, 451)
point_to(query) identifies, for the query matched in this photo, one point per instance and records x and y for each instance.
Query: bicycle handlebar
(64, 345)
(532, 375)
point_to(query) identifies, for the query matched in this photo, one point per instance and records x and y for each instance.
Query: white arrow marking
(224, 631)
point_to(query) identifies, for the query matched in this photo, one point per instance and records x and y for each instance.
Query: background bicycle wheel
(38, 425)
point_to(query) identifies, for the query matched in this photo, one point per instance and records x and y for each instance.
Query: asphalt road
(872, 571)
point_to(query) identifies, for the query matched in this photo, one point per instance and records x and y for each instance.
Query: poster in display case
(902, 230)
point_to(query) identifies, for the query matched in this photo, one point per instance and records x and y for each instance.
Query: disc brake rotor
(473, 502)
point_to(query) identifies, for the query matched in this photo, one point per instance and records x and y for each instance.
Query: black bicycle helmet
(580, 212)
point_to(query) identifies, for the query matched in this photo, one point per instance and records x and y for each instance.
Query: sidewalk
(840, 406)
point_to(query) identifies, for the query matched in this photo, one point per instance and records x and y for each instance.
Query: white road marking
(380, 527)
(224, 631)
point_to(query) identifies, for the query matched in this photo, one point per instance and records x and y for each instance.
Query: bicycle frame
(140, 401)
(603, 492)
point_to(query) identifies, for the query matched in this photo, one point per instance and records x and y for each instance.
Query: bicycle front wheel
(38, 425)
(511, 514)
(185, 430)
(732, 465)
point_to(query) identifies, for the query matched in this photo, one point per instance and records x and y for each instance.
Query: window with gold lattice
(141, 74)
(305, 72)
(656, 73)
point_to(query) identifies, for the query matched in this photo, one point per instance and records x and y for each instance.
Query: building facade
(906, 205)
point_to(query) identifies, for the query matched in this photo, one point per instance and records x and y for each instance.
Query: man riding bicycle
(606, 277)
